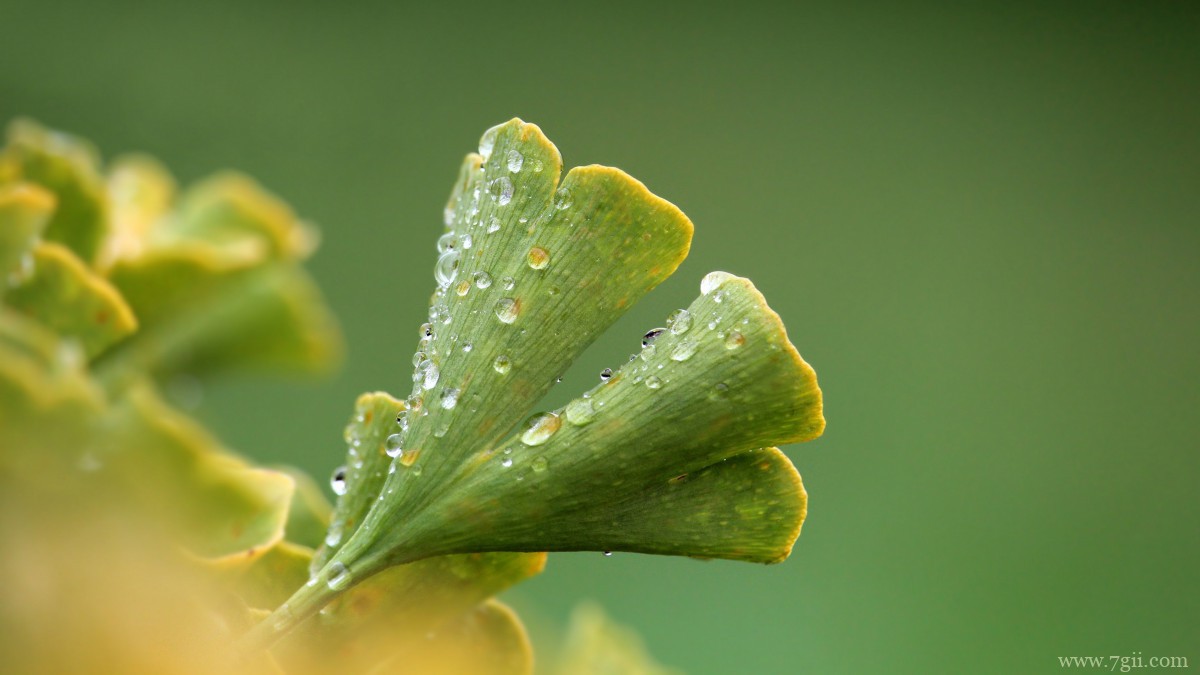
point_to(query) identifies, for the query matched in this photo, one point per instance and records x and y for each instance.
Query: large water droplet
(606, 375)
(446, 268)
(449, 398)
(508, 283)
(507, 310)
(563, 199)
(653, 382)
(338, 481)
(734, 339)
(580, 412)
(394, 445)
(427, 375)
(506, 462)
(447, 242)
(501, 190)
(402, 420)
(502, 365)
(339, 577)
(679, 321)
(652, 335)
(488, 141)
(482, 279)
(539, 428)
(493, 225)
(466, 241)
(713, 280)
(683, 351)
(515, 160)
(538, 258)
(539, 464)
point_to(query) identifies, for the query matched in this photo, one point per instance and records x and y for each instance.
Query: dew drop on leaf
(482, 279)
(679, 321)
(447, 268)
(508, 283)
(580, 412)
(338, 481)
(653, 382)
(462, 288)
(734, 339)
(606, 375)
(652, 335)
(539, 428)
(466, 241)
(502, 365)
(713, 280)
(539, 464)
(506, 310)
(563, 199)
(493, 225)
(447, 242)
(538, 258)
(683, 351)
(515, 160)
(339, 577)
(506, 462)
(501, 190)
(334, 536)
(394, 445)
(449, 398)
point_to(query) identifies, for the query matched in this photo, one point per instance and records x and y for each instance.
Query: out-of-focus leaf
(206, 309)
(217, 504)
(487, 640)
(230, 209)
(264, 577)
(141, 192)
(595, 645)
(69, 297)
(24, 211)
(68, 167)
(308, 517)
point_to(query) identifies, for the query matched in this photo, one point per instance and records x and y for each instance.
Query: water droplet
(506, 462)
(482, 279)
(448, 216)
(501, 190)
(462, 288)
(508, 283)
(720, 391)
(502, 364)
(553, 290)
(415, 469)
(488, 141)
(563, 199)
(467, 347)
(466, 241)
(515, 160)
(538, 166)
(653, 382)
(719, 297)
(683, 351)
(439, 313)
(679, 321)
(415, 403)
(339, 577)
(606, 375)
(539, 464)
(713, 280)
(493, 225)
(652, 335)
(734, 339)
(427, 374)
(338, 481)
(447, 268)
(426, 330)
(580, 412)
(538, 258)
(447, 242)
(539, 428)
(334, 536)
(394, 445)
(449, 398)
(608, 554)
(418, 357)
(410, 457)
(402, 420)
(507, 310)
(442, 429)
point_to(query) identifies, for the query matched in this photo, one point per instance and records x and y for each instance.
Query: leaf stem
(305, 602)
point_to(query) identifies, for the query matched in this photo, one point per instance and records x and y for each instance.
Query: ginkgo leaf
(69, 297)
(141, 194)
(69, 168)
(596, 645)
(25, 209)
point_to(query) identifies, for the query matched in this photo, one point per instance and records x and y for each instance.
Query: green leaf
(69, 297)
(25, 210)
(606, 474)
(215, 503)
(595, 645)
(68, 167)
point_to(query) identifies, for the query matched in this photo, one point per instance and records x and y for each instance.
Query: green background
(980, 225)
